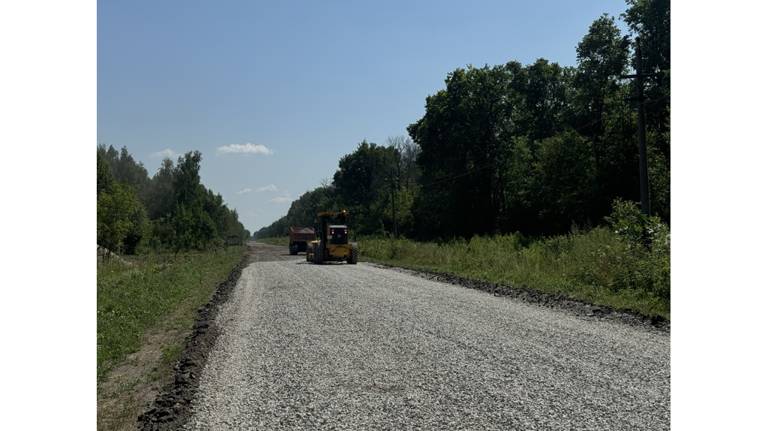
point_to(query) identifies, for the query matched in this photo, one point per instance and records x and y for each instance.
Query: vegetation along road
(340, 346)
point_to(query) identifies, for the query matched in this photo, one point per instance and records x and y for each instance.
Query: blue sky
(274, 93)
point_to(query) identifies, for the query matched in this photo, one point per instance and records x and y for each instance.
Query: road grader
(332, 243)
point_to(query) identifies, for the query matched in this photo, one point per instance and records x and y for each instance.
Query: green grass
(598, 266)
(155, 292)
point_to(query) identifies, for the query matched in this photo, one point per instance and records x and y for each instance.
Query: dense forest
(537, 149)
(170, 211)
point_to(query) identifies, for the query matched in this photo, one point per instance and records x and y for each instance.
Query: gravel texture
(339, 346)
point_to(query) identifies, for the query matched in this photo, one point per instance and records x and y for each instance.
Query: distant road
(361, 347)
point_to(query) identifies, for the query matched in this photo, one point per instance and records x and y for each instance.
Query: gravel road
(341, 346)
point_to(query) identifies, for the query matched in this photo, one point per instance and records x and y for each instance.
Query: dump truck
(298, 237)
(332, 243)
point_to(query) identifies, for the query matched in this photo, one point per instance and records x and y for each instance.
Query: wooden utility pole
(639, 76)
(394, 213)
(645, 198)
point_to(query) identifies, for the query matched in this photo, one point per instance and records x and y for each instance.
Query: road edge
(550, 300)
(173, 405)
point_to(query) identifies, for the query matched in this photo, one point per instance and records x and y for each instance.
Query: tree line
(376, 184)
(171, 211)
(535, 148)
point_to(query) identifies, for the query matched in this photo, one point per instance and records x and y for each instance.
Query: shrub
(628, 221)
(649, 239)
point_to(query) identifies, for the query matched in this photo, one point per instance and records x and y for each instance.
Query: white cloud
(165, 154)
(280, 199)
(267, 188)
(247, 148)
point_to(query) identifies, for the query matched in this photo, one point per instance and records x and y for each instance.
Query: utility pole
(394, 188)
(639, 76)
(394, 213)
(645, 199)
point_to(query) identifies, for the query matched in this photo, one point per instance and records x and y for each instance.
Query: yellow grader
(333, 239)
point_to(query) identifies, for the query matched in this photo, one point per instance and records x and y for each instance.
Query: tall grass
(599, 266)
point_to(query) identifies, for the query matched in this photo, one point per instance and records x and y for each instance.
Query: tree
(186, 179)
(304, 209)
(649, 21)
(364, 181)
(407, 169)
(404, 185)
(193, 226)
(170, 210)
(161, 196)
(104, 178)
(602, 57)
(565, 181)
(121, 220)
(544, 108)
(125, 169)
(509, 148)
(520, 210)
(464, 130)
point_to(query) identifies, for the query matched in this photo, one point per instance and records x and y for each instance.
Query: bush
(628, 221)
(649, 239)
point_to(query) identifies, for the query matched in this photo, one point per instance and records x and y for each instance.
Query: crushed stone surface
(349, 347)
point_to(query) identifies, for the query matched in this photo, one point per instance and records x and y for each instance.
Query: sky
(274, 93)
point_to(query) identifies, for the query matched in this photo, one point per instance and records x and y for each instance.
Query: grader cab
(333, 239)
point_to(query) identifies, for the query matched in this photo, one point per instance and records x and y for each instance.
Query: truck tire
(352, 259)
(293, 249)
(317, 255)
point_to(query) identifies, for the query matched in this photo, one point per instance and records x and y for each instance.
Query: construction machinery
(298, 237)
(332, 243)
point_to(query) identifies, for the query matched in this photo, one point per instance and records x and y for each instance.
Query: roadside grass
(598, 266)
(146, 306)
(154, 290)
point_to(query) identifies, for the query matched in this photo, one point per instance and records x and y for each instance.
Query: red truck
(298, 237)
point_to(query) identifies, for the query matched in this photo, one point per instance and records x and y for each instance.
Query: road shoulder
(533, 296)
(171, 407)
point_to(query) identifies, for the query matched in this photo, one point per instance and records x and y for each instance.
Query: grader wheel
(352, 259)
